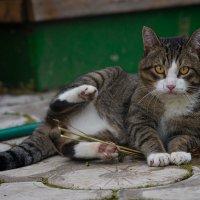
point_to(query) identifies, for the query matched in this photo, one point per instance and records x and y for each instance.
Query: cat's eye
(184, 70)
(159, 69)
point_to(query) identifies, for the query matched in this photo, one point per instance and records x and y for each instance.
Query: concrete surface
(60, 178)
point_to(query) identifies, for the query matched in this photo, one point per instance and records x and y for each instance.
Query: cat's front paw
(180, 157)
(158, 159)
(88, 92)
(108, 151)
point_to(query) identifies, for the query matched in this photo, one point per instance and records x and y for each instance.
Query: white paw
(79, 94)
(88, 92)
(158, 159)
(180, 157)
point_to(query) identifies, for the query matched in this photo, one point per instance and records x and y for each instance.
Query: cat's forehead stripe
(173, 69)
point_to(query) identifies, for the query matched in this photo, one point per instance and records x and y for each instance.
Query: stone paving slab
(117, 176)
(94, 175)
(18, 110)
(38, 191)
(14, 100)
(98, 180)
(4, 147)
(188, 189)
(171, 193)
(13, 142)
(36, 170)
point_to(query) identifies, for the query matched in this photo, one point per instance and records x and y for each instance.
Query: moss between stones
(114, 196)
(148, 186)
(29, 119)
(2, 181)
(46, 182)
(189, 169)
(12, 144)
(141, 199)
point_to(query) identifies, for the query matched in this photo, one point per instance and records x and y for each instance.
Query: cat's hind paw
(79, 94)
(180, 157)
(158, 159)
(95, 150)
(88, 93)
(108, 151)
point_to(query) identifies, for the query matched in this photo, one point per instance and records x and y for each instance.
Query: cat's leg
(83, 90)
(79, 94)
(144, 137)
(90, 150)
(179, 148)
(73, 98)
(82, 150)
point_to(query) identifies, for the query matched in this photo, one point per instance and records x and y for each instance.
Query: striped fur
(34, 149)
(158, 121)
(113, 105)
(115, 88)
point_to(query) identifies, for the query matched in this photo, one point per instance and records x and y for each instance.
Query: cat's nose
(171, 87)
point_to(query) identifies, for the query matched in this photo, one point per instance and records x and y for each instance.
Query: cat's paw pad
(77, 95)
(158, 159)
(180, 157)
(88, 92)
(108, 151)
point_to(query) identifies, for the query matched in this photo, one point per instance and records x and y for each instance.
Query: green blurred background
(49, 54)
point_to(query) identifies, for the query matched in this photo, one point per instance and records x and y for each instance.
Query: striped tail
(32, 150)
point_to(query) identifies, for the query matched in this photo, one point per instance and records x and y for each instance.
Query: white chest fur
(89, 121)
(174, 107)
(177, 106)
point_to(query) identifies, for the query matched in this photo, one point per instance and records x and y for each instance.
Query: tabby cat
(156, 112)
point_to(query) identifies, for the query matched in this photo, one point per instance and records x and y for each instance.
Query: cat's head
(170, 66)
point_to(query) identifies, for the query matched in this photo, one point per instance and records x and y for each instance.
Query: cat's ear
(150, 39)
(194, 41)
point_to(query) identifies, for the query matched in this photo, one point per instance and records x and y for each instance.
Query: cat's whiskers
(145, 96)
(193, 98)
(149, 103)
(139, 91)
(187, 97)
(194, 89)
(190, 99)
(157, 98)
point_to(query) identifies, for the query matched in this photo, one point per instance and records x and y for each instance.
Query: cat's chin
(173, 94)
(170, 95)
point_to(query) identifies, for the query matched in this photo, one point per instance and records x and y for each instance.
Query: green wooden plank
(54, 53)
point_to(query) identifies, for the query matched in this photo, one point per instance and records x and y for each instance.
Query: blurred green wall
(50, 54)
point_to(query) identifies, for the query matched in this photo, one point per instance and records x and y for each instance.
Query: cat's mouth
(172, 93)
(168, 93)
